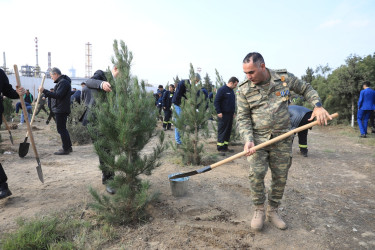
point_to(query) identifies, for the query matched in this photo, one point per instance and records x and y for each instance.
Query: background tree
(125, 123)
(192, 122)
(348, 86)
(176, 80)
(309, 77)
(207, 83)
(367, 66)
(219, 80)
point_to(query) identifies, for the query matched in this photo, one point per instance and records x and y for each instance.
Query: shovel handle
(267, 143)
(6, 123)
(36, 105)
(25, 112)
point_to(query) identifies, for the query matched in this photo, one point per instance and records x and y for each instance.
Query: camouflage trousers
(278, 157)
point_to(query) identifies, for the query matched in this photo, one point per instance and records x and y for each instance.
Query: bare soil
(329, 202)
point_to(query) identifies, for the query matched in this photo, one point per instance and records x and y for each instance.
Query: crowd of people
(261, 106)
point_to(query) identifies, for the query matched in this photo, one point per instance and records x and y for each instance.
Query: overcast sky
(165, 36)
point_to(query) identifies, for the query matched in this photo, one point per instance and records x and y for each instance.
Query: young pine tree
(125, 122)
(195, 113)
(207, 83)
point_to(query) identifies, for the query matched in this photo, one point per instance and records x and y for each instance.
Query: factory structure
(31, 75)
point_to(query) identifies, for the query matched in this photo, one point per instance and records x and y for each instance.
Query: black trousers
(3, 176)
(41, 107)
(167, 118)
(224, 129)
(372, 118)
(51, 115)
(61, 119)
(302, 136)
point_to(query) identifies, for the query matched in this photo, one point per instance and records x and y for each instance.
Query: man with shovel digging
(7, 90)
(262, 115)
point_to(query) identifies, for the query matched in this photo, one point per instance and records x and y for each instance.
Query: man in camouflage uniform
(262, 115)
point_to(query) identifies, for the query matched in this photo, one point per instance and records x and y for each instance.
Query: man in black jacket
(61, 107)
(167, 104)
(7, 90)
(225, 105)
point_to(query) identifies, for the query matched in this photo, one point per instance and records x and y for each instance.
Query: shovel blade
(23, 149)
(11, 137)
(199, 171)
(39, 171)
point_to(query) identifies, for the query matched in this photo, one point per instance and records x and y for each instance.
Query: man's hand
(220, 115)
(20, 91)
(321, 115)
(106, 87)
(249, 148)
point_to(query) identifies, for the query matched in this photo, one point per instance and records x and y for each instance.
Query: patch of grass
(58, 232)
(210, 158)
(329, 151)
(176, 160)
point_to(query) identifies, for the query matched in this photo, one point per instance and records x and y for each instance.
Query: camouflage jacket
(263, 108)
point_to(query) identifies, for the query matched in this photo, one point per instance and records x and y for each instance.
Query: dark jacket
(50, 102)
(167, 100)
(28, 98)
(86, 96)
(205, 92)
(61, 95)
(225, 101)
(180, 92)
(211, 96)
(7, 90)
(297, 113)
(94, 87)
(76, 96)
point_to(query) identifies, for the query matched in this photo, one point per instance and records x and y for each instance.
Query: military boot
(304, 151)
(274, 217)
(4, 191)
(258, 218)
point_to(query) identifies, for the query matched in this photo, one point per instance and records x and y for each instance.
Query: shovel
(262, 145)
(39, 167)
(10, 133)
(24, 146)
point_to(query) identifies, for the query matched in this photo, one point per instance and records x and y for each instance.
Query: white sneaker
(19, 124)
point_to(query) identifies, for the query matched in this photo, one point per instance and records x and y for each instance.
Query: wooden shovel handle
(6, 123)
(25, 112)
(36, 105)
(267, 143)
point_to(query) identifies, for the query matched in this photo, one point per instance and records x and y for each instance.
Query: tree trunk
(352, 123)
(195, 144)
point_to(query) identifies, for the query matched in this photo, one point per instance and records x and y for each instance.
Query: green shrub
(78, 133)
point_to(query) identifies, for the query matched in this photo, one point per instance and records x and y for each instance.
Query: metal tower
(37, 68)
(5, 64)
(88, 60)
(49, 65)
